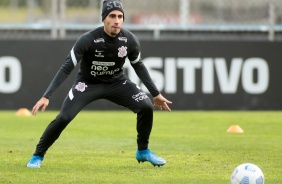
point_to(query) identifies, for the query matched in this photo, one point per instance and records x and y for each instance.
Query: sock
(142, 148)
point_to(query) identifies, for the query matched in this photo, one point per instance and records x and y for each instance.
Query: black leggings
(124, 93)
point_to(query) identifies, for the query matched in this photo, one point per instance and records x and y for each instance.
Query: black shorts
(122, 92)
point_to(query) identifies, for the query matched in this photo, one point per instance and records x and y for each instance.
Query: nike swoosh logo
(124, 82)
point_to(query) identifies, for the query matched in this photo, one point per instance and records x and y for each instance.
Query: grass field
(99, 147)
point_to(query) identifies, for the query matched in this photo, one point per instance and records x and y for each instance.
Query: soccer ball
(247, 173)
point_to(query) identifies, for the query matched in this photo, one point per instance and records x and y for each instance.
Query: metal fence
(59, 19)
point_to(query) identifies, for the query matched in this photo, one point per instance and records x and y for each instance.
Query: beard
(114, 32)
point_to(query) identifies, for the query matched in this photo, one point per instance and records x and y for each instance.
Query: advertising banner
(193, 75)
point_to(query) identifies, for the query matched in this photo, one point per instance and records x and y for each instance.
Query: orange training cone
(235, 129)
(23, 112)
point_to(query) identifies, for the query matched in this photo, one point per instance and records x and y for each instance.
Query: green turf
(99, 147)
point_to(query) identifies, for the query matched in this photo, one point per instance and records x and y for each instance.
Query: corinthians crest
(81, 86)
(122, 51)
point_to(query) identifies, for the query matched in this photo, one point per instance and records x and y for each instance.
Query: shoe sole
(34, 167)
(159, 165)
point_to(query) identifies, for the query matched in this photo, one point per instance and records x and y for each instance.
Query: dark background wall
(205, 75)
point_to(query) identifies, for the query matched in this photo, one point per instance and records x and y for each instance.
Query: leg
(144, 126)
(72, 105)
(131, 96)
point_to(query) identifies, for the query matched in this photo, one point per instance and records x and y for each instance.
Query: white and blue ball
(247, 173)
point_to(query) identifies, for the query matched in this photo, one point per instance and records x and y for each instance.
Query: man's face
(113, 23)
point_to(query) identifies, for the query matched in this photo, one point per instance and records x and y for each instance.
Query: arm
(140, 69)
(143, 74)
(59, 78)
(74, 56)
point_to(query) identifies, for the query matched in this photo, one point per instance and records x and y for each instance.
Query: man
(101, 53)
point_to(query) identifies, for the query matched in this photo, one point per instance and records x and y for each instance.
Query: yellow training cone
(235, 129)
(23, 112)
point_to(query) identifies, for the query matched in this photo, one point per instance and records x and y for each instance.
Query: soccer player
(101, 53)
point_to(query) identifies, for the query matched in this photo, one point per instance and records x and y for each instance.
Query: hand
(161, 102)
(43, 102)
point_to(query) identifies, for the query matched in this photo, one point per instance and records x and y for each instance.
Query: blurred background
(148, 19)
(202, 54)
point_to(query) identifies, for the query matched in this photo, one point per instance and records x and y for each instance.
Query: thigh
(128, 94)
(78, 98)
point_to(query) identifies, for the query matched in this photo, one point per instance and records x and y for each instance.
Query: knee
(64, 118)
(147, 108)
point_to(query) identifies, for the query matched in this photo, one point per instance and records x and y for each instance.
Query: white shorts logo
(140, 96)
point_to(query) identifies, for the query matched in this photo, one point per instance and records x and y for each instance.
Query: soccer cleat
(147, 155)
(35, 161)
